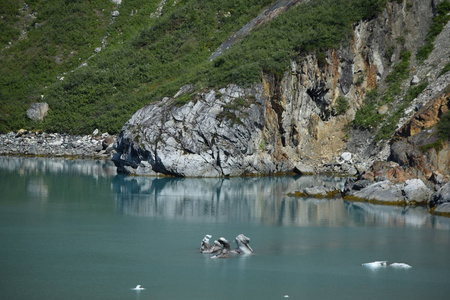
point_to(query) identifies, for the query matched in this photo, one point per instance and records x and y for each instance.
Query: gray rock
(441, 196)
(346, 157)
(384, 109)
(416, 191)
(200, 139)
(415, 80)
(38, 111)
(443, 208)
(383, 191)
(302, 168)
(107, 142)
(188, 88)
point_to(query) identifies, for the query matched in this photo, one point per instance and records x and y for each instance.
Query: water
(76, 230)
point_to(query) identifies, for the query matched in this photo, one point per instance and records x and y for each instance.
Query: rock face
(217, 134)
(38, 111)
(291, 122)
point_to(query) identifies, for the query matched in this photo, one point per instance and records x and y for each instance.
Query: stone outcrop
(215, 134)
(38, 111)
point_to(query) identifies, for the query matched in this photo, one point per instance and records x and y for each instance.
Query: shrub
(341, 105)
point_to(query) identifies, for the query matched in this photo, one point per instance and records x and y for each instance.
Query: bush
(341, 105)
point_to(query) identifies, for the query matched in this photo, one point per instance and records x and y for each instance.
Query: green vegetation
(396, 77)
(183, 99)
(341, 105)
(388, 127)
(445, 69)
(9, 9)
(440, 19)
(148, 58)
(368, 118)
(444, 126)
(443, 133)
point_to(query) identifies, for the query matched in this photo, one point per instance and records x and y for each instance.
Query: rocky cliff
(299, 120)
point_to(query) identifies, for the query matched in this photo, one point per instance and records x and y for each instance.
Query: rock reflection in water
(261, 200)
(37, 188)
(41, 165)
(395, 216)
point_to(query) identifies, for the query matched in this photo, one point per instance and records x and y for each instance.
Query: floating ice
(139, 288)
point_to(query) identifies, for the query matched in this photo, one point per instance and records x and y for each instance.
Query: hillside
(96, 62)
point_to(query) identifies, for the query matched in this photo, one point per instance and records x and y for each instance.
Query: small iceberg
(400, 266)
(138, 288)
(376, 264)
(383, 264)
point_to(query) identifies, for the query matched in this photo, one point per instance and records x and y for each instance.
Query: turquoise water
(76, 230)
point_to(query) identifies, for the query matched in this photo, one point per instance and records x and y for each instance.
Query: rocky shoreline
(32, 143)
(412, 192)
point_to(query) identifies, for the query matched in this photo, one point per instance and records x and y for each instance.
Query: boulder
(302, 168)
(441, 196)
(38, 111)
(442, 209)
(416, 192)
(415, 80)
(317, 192)
(108, 141)
(346, 157)
(383, 192)
(383, 110)
(21, 132)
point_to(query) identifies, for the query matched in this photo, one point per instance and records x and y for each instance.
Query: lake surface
(73, 229)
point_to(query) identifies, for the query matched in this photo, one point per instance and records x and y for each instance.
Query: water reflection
(395, 216)
(43, 165)
(262, 200)
(37, 188)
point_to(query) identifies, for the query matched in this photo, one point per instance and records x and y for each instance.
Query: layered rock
(216, 134)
